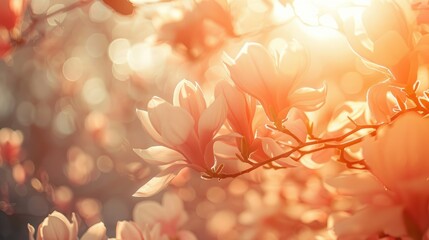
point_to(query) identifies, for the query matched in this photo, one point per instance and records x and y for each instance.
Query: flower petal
(149, 213)
(126, 230)
(31, 232)
(95, 232)
(144, 119)
(190, 97)
(159, 182)
(211, 120)
(254, 72)
(173, 123)
(159, 155)
(308, 99)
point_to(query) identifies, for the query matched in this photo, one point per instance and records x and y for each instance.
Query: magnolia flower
(57, 227)
(275, 84)
(11, 12)
(240, 112)
(166, 219)
(384, 100)
(397, 194)
(185, 131)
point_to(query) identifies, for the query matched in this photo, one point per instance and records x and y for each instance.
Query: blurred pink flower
(128, 230)
(10, 145)
(185, 131)
(275, 84)
(397, 196)
(169, 217)
(5, 47)
(95, 232)
(11, 12)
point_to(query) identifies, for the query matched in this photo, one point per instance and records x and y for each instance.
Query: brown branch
(35, 21)
(327, 143)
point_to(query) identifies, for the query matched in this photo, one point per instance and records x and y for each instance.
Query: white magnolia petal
(159, 182)
(95, 232)
(211, 120)
(159, 155)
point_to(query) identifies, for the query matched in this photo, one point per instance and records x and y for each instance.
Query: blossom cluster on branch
(305, 142)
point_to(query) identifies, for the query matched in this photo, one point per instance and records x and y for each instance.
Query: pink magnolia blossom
(11, 12)
(276, 85)
(397, 194)
(240, 115)
(185, 130)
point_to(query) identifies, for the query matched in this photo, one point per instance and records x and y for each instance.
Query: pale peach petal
(159, 182)
(292, 64)
(253, 71)
(74, 227)
(211, 120)
(31, 232)
(173, 205)
(185, 235)
(381, 100)
(296, 123)
(126, 230)
(173, 123)
(239, 112)
(398, 153)
(144, 119)
(149, 213)
(308, 99)
(155, 233)
(370, 221)
(363, 183)
(273, 149)
(190, 97)
(390, 49)
(159, 155)
(56, 227)
(95, 232)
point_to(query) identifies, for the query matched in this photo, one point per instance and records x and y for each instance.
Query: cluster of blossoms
(332, 167)
(151, 221)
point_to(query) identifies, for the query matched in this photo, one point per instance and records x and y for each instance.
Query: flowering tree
(312, 116)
